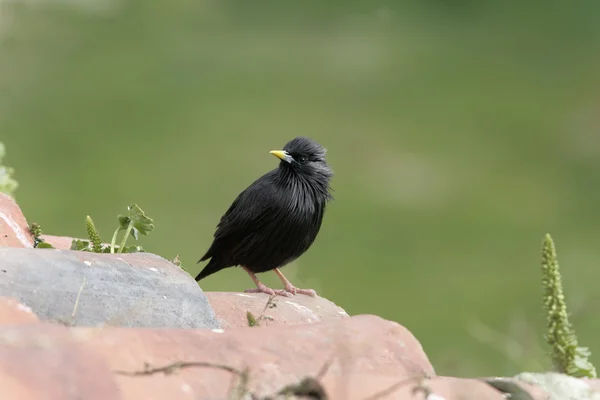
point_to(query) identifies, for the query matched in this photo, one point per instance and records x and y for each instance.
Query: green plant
(93, 235)
(7, 184)
(38, 242)
(134, 223)
(251, 319)
(567, 356)
(176, 261)
(254, 321)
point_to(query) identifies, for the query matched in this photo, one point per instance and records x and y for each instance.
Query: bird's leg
(291, 288)
(262, 288)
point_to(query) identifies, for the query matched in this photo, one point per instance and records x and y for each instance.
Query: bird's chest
(284, 232)
(297, 212)
(295, 232)
(298, 221)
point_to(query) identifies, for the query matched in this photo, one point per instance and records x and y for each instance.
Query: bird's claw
(262, 288)
(294, 290)
(289, 291)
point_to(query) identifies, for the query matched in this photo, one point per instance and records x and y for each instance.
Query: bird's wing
(252, 209)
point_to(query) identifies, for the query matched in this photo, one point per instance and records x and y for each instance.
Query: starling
(275, 219)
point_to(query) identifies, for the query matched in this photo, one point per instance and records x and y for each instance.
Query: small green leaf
(35, 229)
(123, 221)
(135, 223)
(583, 351)
(142, 223)
(44, 245)
(582, 364)
(81, 245)
(133, 249)
(251, 319)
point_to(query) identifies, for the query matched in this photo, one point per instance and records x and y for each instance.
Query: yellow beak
(282, 155)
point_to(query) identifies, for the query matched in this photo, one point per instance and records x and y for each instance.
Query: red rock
(232, 308)
(594, 384)
(374, 359)
(14, 230)
(63, 242)
(448, 388)
(276, 355)
(13, 312)
(365, 386)
(59, 242)
(42, 361)
(359, 386)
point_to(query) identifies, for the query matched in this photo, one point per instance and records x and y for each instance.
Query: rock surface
(369, 358)
(275, 356)
(232, 309)
(150, 310)
(42, 361)
(365, 349)
(13, 312)
(61, 242)
(139, 289)
(14, 230)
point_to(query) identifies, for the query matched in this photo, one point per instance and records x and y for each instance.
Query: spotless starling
(275, 219)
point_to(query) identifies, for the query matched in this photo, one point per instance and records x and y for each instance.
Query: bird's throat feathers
(307, 191)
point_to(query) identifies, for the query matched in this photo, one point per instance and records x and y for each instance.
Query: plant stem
(114, 240)
(127, 232)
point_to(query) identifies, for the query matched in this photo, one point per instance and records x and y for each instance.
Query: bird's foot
(291, 288)
(294, 290)
(262, 288)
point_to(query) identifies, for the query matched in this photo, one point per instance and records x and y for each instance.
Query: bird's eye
(301, 159)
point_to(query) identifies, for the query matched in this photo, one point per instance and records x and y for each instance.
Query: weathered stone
(370, 358)
(42, 361)
(534, 391)
(275, 356)
(62, 242)
(12, 312)
(232, 309)
(442, 387)
(138, 289)
(14, 231)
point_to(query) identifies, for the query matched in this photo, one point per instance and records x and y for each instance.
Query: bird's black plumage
(277, 218)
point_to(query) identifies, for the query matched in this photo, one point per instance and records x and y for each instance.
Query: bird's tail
(209, 269)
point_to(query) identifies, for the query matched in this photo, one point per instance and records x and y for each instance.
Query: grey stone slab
(132, 290)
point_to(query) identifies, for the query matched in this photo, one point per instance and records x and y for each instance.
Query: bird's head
(304, 156)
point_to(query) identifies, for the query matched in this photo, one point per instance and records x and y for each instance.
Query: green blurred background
(460, 133)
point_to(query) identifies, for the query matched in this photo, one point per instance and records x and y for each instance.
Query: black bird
(275, 219)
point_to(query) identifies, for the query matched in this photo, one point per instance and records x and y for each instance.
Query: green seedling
(567, 356)
(38, 242)
(134, 224)
(93, 235)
